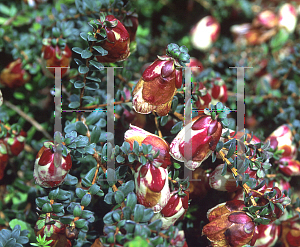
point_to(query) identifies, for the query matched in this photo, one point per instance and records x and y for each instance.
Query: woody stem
(236, 174)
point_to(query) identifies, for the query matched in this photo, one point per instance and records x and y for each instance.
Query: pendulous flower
(205, 33)
(13, 76)
(175, 208)
(47, 173)
(282, 139)
(288, 17)
(55, 56)
(117, 40)
(290, 233)
(267, 235)
(289, 167)
(159, 82)
(15, 143)
(229, 225)
(204, 133)
(152, 186)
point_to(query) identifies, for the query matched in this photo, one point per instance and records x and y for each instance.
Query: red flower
(116, 42)
(46, 173)
(162, 76)
(13, 76)
(175, 208)
(290, 234)
(15, 143)
(282, 139)
(152, 186)
(266, 18)
(289, 166)
(205, 33)
(229, 225)
(205, 135)
(267, 235)
(222, 183)
(53, 56)
(218, 91)
(288, 17)
(3, 158)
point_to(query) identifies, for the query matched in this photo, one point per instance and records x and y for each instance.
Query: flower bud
(54, 56)
(266, 18)
(13, 76)
(218, 91)
(222, 183)
(175, 208)
(15, 143)
(152, 186)
(162, 76)
(229, 225)
(158, 144)
(205, 134)
(117, 41)
(288, 17)
(3, 158)
(47, 173)
(267, 235)
(205, 33)
(289, 166)
(282, 139)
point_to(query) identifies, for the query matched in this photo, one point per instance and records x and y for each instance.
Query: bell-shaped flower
(205, 33)
(15, 143)
(267, 235)
(53, 55)
(179, 240)
(288, 17)
(204, 134)
(159, 82)
(117, 40)
(282, 138)
(289, 166)
(175, 208)
(158, 144)
(13, 76)
(222, 183)
(229, 225)
(290, 233)
(152, 186)
(50, 172)
(266, 18)
(218, 91)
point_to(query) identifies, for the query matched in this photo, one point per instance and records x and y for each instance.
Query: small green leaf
(86, 54)
(77, 50)
(176, 128)
(80, 223)
(74, 104)
(138, 212)
(86, 200)
(82, 69)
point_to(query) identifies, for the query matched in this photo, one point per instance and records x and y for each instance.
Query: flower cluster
(265, 25)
